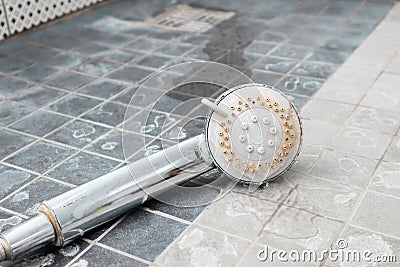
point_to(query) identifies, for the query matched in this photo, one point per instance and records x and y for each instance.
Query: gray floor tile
(376, 213)
(327, 56)
(200, 246)
(104, 257)
(314, 70)
(174, 102)
(361, 142)
(318, 133)
(97, 67)
(291, 51)
(373, 119)
(119, 55)
(52, 255)
(145, 44)
(386, 178)
(78, 133)
(38, 54)
(345, 168)
(325, 198)
(149, 147)
(327, 110)
(299, 85)
(24, 201)
(10, 64)
(66, 61)
(276, 37)
(174, 49)
(13, 46)
(341, 44)
(373, 10)
(393, 152)
(184, 130)
(153, 61)
(40, 156)
(11, 179)
(274, 64)
(8, 220)
(37, 73)
(308, 156)
(109, 113)
(129, 74)
(150, 123)
(103, 88)
(38, 96)
(70, 81)
(91, 49)
(342, 8)
(184, 204)
(309, 232)
(111, 145)
(144, 234)
(11, 111)
(74, 105)
(11, 142)
(264, 77)
(234, 210)
(40, 123)
(82, 168)
(11, 87)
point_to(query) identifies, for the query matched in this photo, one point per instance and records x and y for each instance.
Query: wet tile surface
(144, 234)
(295, 46)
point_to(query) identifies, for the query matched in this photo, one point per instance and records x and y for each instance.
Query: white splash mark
(14, 220)
(292, 84)
(20, 196)
(41, 261)
(32, 210)
(345, 198)
(203, 256)
(109, 145)
(83, 132)
(147, 128)
(229, 247)
(151, 150)
(177, 133)
(348, 164)
(311, 85)
(192, 239)
(389, 179)
(81, 263)
(367, 242)
(70, 251)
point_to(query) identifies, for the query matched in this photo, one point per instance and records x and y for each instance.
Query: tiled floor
(64, 92)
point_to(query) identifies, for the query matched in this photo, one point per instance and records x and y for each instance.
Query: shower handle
(69, 215)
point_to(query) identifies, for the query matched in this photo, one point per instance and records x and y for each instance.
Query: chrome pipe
(253, 134)
(71, 214)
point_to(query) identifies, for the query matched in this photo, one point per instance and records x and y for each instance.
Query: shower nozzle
(254, 133)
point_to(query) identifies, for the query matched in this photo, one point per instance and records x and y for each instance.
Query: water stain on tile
(11, 111)
(11, 179)
(78, 133)
(82, 168)
(40, 123)
(40, 156)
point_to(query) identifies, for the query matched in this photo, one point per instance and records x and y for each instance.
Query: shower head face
(254, 133)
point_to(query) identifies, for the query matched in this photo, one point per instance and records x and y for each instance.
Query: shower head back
(253, 133)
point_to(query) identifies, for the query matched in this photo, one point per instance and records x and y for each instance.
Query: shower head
(253, 133)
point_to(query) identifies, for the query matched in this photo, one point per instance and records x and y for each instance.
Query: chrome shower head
(253, 133)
